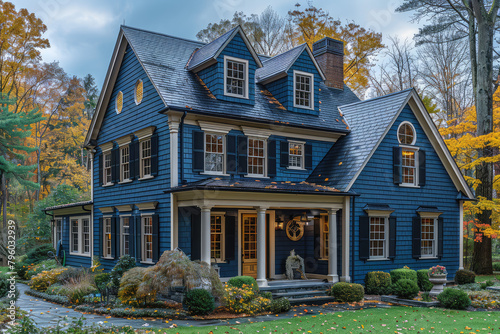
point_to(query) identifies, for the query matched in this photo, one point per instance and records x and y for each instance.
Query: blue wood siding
(133, 118)
(71, 259)
(375, 184)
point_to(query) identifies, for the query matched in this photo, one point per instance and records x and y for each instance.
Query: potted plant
(437, 276)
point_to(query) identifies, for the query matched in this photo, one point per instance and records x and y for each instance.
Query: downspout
(181, 144)
(353, 219)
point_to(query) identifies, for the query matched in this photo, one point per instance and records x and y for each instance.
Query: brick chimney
(329, 54)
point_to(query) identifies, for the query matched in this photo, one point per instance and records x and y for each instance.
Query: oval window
(406, 134)
(119, 102)
(138, 91)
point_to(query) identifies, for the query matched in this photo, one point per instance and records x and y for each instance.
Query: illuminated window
(125, 236)
(107, 237)
(147, 239)
(119, 102)
(409, 167)
(138, 91)
(296, 155)
(256, 157)
(406, 134)
(217, 237)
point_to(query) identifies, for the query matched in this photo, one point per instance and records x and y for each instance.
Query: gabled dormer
(227, 66)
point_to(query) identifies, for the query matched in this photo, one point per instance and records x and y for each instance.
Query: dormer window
(236, 77)
(303, 84)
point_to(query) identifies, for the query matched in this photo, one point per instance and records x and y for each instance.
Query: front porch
(252, 232)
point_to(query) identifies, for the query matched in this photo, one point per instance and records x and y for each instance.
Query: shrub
(377, 283)
(280, 305)
(426, 297)
(43, 280)
(101, 281)
(73, 275)
(266, 294)
(347, 292)
(405, 288)
(4, 285)
(240, 281)
(199, 302)
(465, 277)
(41, 266)
(245, 300)
(496, 266)
(403, 273)
(39, 253)
(76, 292)
(454, 299)
(126, 262)
(423, 280)
(486, 284)
(130, 283)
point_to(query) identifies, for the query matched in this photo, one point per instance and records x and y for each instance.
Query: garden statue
(295, 263)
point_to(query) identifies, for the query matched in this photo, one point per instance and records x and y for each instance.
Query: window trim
(122, 235)
(105, 254)
(122, 164)
(224, 152)
(104, 168)
(246, 79)
(415, 179)
(222, 259)
(435, 240)
(81, 239)
(119, 108)
(303, 144)
(143, 243)
(137, 102)
(264, 169)
(414, 133)
(311, 75)
(144, 176)
(385, 255)
(57, 222)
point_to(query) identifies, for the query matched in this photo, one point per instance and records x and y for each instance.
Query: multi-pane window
(106, 247)
(147, 239)
(216, 237)
(428, 237)
(236, 84)
(214, 153)
(138, 91)
(325, 233)
(296, 155)
(125, 236)
(146, 157)
(406, 134)
(409, 167)
(57, 231)
(256, 157)
(303, 90)
(377, 237)
(119, 102)
(107, 168)
(86, 235)
(79, 229)
(75, 236)
(125, 163)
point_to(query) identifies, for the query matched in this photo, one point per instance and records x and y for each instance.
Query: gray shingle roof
(164, 58)
(278, 64)
(368, 121)
(69, 205)
(208, 51)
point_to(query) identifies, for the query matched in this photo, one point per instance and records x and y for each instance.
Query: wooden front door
(249, 244)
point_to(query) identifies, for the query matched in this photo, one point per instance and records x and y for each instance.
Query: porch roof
(69, 205)
(261, 185)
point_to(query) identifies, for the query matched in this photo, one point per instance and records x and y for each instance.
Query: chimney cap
(328, 44)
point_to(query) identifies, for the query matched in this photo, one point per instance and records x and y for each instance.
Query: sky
(83, 33)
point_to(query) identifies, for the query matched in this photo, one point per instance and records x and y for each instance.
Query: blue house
(238, 159)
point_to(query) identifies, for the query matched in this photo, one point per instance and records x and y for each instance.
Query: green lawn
(484, 278)
(393, 320)
(4, 269)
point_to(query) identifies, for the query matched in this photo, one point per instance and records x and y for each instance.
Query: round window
(138, 91)
(406, 134)
(294, 230)
(119, 102)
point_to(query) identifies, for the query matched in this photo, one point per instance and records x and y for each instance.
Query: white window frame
(302, 156)
(415, 178)
(123, 234)
(222, 233)
(80, 236)
(264, 158)
(57, 231)
(123, 164)
(245, 85)
(143, 159)
(434, 240)
(144, 258)
(136, 98)
(311, 76)
(105, 169)
(105, 252)
(385, 240)
(223, 154)
(414, 133)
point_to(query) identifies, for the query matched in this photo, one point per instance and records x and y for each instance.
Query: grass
(484, 278)
(393, 320)
(4, 270)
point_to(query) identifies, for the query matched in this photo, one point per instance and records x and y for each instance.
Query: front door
(249, 244)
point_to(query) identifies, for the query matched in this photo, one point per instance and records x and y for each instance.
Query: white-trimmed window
(378, 237)
(147, 238)
(145, 158)
(235, 77)
(409, 167)
(406, 133)
(80, 235)
(256, 157)
(325, 237)
(107, 168)
(214, 153)
(57, 231)
(303, 90)
(139, 92)
(217, 241)
(428, 239)
(119, 102)
(106, 247)
(296, 155)
(125, 163)
(125, 236)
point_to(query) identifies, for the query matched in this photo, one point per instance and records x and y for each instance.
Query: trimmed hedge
(377, 283)
(347, 292)
(239, 281)
(423, 280)
(465, 277)
(454, 299)
(405, 288)
(403, 273)
(280, 305)
(496, 266)
(199, 302)
(58, 299)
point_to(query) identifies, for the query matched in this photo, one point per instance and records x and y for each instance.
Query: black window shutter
(113, 237)
(308, 156)
(156, 238)
(421, 168)
(198, 151)
(231, 153)
(440, 232)
(101, 169)
(317, 238)
(397, 155)
(271, 157)
(392, 237)
(154, 154)
(416, 237)
(242, 154)
(364, 238)
(115, 165)
(195, 236)
(101, 236)
(229, 237)
(138, 234)
(131, 237)
(284, 151)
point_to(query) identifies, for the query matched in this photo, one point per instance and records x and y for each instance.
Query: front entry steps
(308, 292)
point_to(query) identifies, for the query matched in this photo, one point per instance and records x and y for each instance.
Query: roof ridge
(165, 35)
(283, 53)
(377, 98)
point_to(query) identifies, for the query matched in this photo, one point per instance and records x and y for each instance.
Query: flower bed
(484, 299)
(63, 300)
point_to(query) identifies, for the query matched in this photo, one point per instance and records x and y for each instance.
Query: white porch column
(205, 235)
(261, 246)
(346, 277)
(461, 241)
(332, 246)
(173, 125)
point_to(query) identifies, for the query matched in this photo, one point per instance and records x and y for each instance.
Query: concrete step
(311, 300)
(300, 294)
(297, 287)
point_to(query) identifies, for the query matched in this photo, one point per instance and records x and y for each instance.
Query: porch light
(304, 219)
(279, 224)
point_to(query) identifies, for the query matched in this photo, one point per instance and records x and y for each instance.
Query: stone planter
(439, 281)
